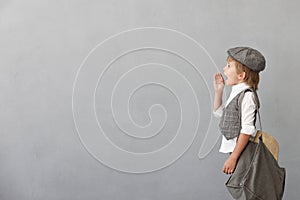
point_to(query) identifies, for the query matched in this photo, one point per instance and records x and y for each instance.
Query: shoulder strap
(256, 101)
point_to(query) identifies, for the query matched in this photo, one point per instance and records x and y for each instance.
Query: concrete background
(43, 45)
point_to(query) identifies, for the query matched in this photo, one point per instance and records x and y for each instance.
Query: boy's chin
(228, 83)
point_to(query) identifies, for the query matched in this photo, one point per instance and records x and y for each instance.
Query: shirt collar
(239, 88)
(236, 89)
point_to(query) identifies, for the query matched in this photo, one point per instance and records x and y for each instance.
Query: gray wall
(94, 106)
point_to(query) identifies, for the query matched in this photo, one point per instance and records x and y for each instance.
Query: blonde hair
(251, 77)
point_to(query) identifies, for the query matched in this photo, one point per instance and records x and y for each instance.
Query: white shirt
(248, 116)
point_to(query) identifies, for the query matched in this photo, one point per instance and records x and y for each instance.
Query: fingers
(228, 171)
(217, 75)
(219, 78)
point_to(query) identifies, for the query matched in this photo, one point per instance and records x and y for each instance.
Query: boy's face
(232, 76)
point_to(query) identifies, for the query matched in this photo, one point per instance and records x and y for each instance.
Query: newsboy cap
(249, 57)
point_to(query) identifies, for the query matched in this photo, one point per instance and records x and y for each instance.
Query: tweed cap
(249, 57)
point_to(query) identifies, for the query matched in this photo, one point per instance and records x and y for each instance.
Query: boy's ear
(242, 75)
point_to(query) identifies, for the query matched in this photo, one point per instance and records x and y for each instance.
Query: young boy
(242, 72)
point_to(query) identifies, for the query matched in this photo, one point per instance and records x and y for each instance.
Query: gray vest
(230, 124)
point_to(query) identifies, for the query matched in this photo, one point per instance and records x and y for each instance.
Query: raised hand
(219, 83)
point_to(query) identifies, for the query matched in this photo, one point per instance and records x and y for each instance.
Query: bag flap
(270, 142)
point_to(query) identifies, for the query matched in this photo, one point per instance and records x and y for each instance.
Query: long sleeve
(219, 112)
(248, 114)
